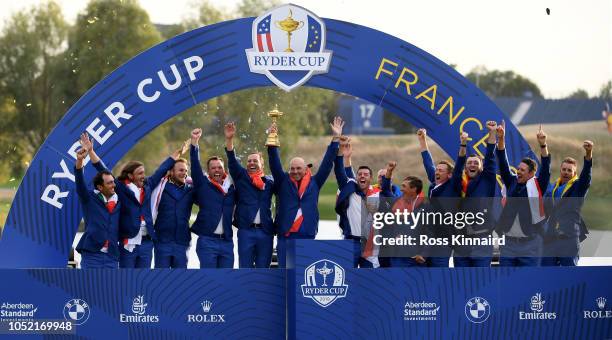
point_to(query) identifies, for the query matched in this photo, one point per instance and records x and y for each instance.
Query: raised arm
(544, 172)
(79, 178)
(584, 180)
(489, 160)
(235, 169)
(194, 153)
(428, 163)
(386, 180)
(348, 164)
(276, 167)
(460, 162)
(339, 163)
(330, 154)
(87, 143)
(502, 159)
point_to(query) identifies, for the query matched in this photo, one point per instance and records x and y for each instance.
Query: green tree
(30, 48)
(605, 92)
(497, 83)
(579, 94)
(253, 8)
(107, 34)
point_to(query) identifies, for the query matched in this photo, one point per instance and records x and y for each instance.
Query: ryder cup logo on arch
(288, 46)
(324, 282)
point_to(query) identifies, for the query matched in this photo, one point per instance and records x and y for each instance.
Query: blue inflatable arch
(211, 61)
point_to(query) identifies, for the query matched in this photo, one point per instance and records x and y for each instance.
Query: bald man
(297, 212)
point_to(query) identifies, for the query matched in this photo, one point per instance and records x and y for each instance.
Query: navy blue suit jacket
(100, 225)
(213, 204)
(173, 213)
(515, 189)
(287, 193)
(131, 209)
(250, 199)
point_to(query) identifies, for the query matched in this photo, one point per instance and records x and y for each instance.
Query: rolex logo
(601, 302)
(206, 306)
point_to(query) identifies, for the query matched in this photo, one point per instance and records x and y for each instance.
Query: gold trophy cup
(272, 139)
(289, 25)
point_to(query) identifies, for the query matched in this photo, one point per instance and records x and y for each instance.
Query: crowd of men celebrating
(129, 217)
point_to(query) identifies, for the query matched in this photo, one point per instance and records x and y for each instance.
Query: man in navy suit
(478, 186)
(215, 195)
(98, 245)
(357, 200)
(136, 231)
(445, 183)
(253, 215)
(171, 205)
(565, 227)
(297, 213)
(523, 216)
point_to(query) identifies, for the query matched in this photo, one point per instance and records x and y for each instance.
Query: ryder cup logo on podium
(288, 46)
(324, 282)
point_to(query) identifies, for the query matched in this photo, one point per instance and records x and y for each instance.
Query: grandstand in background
(365, 118)
(525, 111)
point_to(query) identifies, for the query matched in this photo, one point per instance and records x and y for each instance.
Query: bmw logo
(477, 310)
(77, 311)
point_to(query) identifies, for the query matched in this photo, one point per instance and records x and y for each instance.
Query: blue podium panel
(148, 304)
(335, 301)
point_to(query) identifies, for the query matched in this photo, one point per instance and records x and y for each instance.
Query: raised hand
(196, 134)
(81, 154)
(390, 167)
(85, 142)
(273, 128)
(501, 130)
(336, 127)
(588, 148)
(185, 146)
(230, 130)
(464, 137)
(178, 152)
(541, 136)
(421, 134)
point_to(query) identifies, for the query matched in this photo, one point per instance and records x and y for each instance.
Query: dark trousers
(215, 252)
(254, 247)
(97, 260)
(140, 257)
(170, 255)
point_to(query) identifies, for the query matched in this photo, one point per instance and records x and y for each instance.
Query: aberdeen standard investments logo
(288, 46)
(324, 282)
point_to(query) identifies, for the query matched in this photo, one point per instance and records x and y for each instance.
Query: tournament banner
(320, 294)
(223, 58)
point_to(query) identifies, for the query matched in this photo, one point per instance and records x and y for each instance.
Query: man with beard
(297, 214)
(215, 196)
(410, 201)
(171, 205)
(356, 201)
(478, 188)
(445, 184)
(566, 229)
(253, 216)
(523, 216)
(136, 231)
(98, 245)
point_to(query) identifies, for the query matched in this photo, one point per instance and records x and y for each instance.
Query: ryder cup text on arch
(148, 91)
